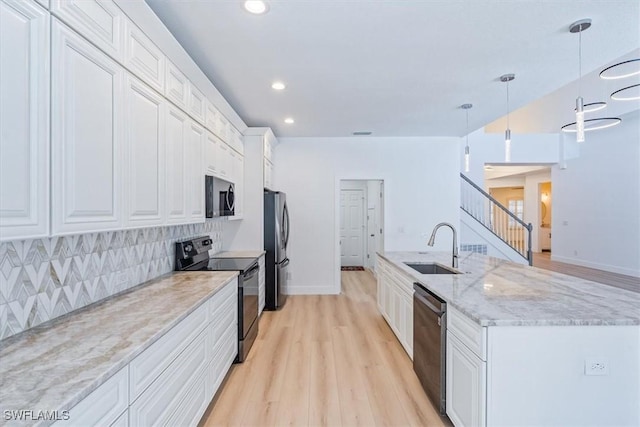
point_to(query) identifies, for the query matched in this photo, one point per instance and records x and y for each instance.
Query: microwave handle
(232, 206)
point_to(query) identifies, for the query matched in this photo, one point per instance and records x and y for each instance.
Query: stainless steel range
(193, 255)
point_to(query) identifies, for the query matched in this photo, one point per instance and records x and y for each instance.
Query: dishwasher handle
(429, 299)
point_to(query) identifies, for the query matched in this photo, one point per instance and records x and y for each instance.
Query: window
(516, 207)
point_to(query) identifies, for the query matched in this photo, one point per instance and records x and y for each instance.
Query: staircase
(503, 226)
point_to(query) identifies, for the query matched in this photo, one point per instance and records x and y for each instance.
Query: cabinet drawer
(162, 400)
(143, 58)
(468, 332)
(100, 21)
(103, 406)
(193, 405)
(122, 421)
(221, 300)
(145, 368)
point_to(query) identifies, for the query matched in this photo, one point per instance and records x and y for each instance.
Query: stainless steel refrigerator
(276, 238)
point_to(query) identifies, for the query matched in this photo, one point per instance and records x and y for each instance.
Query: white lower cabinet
(395, 302)
(173, 381)
(104, 406)
(161, 401)
(87, 107)
(466, 384)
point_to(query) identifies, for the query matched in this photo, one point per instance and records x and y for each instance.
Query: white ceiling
(512, 170)
(394, 67)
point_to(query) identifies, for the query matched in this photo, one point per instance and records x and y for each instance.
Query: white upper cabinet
(224, 161)
(86, 135)
(235, 139)
(195, 171)
(176, 86)
(100, 21)
(144, 154)
(211, 116)
(212, 154)
(143, 58)
(197, 104)
(176, 123)
(24, 120)
(222, 128)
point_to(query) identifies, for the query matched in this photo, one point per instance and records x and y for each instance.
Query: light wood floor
(326, 360)
(543, 260)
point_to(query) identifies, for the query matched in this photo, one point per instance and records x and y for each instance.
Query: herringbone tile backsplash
(46, 278)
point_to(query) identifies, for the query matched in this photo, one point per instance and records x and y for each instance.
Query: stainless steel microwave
(219, 197)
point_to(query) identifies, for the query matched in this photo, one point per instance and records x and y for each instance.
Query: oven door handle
(251, 272)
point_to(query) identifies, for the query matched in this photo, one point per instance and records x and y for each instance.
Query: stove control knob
(188, 248)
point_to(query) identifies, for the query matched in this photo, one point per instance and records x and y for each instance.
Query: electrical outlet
(596, 366)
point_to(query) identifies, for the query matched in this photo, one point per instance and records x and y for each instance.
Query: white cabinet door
(211, 154)
(143, 58)
(222, 127)
(195, 171)
(144, 154)
(87, 138)
(100, 21)
(407, 323)
(24, 120)
(176, 160)
(162, 401)
(466, 385)
(211, 116)
(268, 173)
(224, 161)
(197, 103)
(176, 86)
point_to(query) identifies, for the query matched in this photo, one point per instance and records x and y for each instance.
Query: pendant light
(579, 27)
(507, 133)
(466, 108)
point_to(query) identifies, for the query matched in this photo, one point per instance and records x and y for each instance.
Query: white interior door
(352, 227)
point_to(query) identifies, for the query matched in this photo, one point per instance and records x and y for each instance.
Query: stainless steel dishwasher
(430, 344)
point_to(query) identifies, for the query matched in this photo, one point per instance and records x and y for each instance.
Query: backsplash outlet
(42, 279)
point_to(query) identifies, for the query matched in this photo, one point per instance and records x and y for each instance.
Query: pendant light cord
(467, 114)
(507, 104)
(579, 59)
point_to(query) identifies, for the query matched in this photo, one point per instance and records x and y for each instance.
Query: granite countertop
(495, 292)
(239, 254)
(55, 365)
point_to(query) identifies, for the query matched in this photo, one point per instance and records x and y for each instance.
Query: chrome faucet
(454, 261)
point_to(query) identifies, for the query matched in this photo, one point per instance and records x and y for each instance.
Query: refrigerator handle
(285, 263)
(286, 225)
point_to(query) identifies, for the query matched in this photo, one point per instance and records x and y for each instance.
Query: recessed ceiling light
(256, 7)
(362, 133)
(278, 86)
(289, 121)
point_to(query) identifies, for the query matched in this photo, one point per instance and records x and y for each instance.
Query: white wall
(596, 201)
(421, 189)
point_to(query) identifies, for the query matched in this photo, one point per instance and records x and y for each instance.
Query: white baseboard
(310, 290)
(598, 266)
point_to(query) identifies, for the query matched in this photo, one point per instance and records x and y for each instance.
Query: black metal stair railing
(496, 218)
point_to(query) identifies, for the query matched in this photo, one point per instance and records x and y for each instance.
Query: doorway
(544, 234)
(361, 223)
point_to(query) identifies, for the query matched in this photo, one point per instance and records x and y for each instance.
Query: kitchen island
(525, 346)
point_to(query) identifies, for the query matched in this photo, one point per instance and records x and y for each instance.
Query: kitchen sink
(431, 268)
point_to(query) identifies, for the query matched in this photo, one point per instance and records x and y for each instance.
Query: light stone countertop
(494, 292)
(55, 365)
(238, 254)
